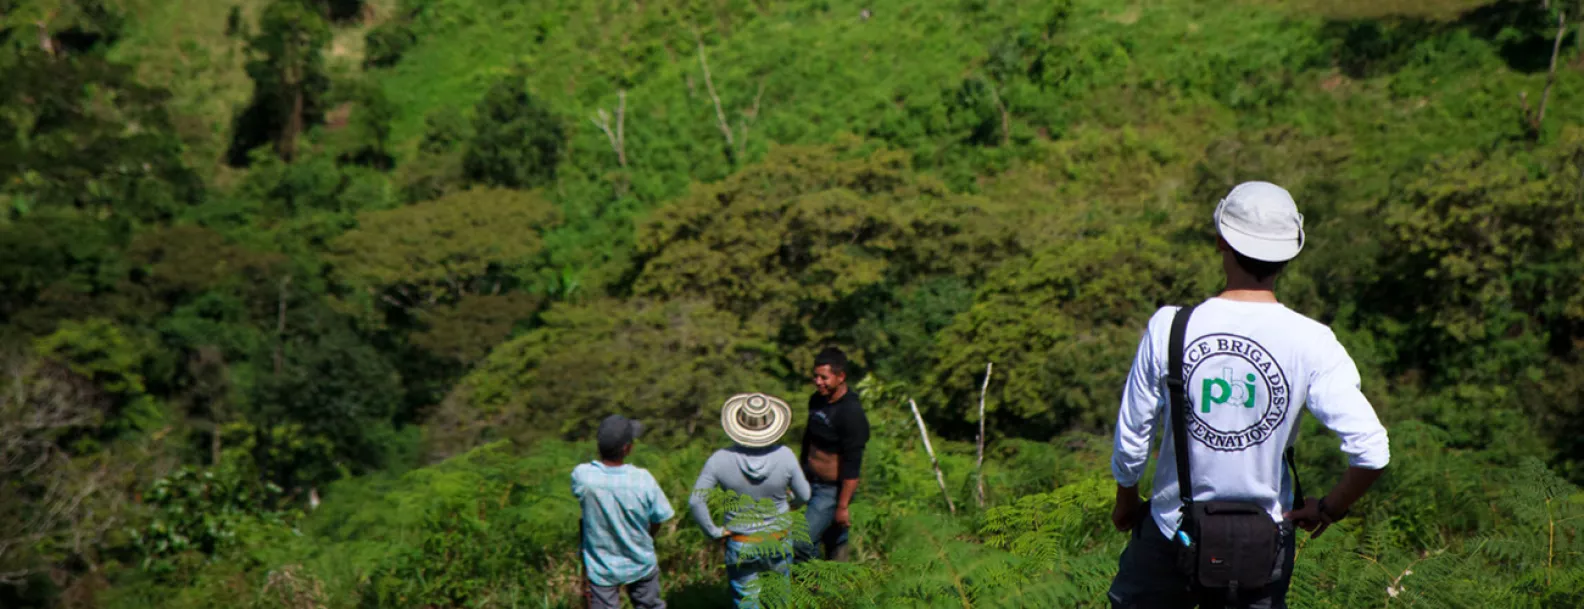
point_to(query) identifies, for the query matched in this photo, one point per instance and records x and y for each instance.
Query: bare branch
(46, 399)
(1006, 118)
(979, 465)
(45, 40)
(618, 143)
(1534, 120)
(709, 84)
(12, 578)
(621, 121)
(1556, 49)
(933, 463)
(602, 120)
(748, 118)
(616, 137)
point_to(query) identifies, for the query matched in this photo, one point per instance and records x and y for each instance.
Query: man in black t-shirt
(833, 445)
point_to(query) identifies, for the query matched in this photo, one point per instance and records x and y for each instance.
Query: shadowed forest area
(316, 303)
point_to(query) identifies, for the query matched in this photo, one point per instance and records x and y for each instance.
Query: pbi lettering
(1220, 390)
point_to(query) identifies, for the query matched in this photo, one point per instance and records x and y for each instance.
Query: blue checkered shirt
(619, 504)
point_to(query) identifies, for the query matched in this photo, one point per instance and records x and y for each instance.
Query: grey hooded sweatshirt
(760, 473)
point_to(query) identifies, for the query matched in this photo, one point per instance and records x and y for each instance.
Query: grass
(183, 45)
(578, 62)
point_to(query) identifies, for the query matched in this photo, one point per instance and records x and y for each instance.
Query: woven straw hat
(755, 419)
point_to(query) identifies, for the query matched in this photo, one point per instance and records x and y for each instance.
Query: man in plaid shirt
(622, 509)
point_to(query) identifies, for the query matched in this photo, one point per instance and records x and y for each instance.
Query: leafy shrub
(1058, 324)
(677, 361)
(199, 511)
(387, 42)
(517, 140)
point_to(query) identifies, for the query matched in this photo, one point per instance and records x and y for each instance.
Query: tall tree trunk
(280, 325)
(293, 77)
(294, 123)
(214, 441)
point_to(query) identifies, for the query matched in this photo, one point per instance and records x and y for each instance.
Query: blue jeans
(822, 530)
(744, 570)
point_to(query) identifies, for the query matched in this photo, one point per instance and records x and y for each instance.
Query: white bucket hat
(755, 419)
(1261, 221)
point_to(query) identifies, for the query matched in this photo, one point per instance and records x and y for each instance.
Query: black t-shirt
(838, 427)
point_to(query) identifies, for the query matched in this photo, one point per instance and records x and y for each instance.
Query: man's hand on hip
(1317, 515)
(1309, 517)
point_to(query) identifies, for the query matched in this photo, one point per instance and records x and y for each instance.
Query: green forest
(317, 303)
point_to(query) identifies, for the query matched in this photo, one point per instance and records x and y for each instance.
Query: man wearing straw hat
(758, 468)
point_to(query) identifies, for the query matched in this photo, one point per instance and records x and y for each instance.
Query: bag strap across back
(1179, 402)
(1176, 387)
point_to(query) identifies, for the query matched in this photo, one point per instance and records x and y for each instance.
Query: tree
(179, 262)
(517, 141)
(437, 170)
(800, 244)
(474, 242)
(289, 79)
(366, 140)
(1489, 249)
(670, 364)
(466, 331)
(57, 261)
(1061, 327)
(387, 42)
(60, 505)
(1481, 295)
(41, 404)
(327, 409)
(113, 359)
(79, 132)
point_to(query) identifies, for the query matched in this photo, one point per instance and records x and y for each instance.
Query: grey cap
(617, 431)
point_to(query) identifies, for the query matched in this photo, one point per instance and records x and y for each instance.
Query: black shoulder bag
(1232, 545)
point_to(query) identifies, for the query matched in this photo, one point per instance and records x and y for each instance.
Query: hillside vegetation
(316, 303)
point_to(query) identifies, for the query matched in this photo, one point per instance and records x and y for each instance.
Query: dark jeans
(644, 593)
(1147, 577)
(822, 529)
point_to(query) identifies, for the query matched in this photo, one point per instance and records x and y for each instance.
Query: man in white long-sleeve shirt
(1250, 366)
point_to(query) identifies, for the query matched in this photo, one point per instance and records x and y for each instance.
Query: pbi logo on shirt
(1220, 390)
(1242, 396)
